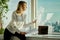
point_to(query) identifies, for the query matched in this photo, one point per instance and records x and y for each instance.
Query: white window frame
(33, 10)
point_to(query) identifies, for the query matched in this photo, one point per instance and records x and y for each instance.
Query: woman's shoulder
(24, 15)
(14, 12)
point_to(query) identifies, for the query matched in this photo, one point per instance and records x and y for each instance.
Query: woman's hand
(34, 21)
(23, 33)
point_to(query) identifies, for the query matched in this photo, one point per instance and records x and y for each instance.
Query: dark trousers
(8, 35)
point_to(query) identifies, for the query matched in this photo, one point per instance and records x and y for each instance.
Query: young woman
(17, 27)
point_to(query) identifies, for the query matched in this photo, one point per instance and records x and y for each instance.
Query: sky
(50, 6)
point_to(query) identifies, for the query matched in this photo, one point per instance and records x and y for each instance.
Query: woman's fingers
(34, 21)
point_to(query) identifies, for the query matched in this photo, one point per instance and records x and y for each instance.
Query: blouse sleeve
(13, 25)
(27, 24)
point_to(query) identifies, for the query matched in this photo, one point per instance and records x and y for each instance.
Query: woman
(17, 26)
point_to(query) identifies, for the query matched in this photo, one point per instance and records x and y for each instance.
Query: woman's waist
(12, 30)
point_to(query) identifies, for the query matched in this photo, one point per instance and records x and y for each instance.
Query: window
(48, 12)
(45, 11)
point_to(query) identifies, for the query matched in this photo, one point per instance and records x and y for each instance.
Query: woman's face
(24, 6)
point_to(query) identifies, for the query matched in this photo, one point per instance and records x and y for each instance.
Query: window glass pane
(28, 12)
(48, 13)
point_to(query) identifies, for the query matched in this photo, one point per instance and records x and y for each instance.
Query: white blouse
(18, 24)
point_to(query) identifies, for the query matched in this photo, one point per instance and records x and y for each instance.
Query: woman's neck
(20, 12)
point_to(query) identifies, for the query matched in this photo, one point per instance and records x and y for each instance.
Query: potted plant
(3, 9)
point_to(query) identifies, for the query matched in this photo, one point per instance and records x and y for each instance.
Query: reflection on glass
(50, 13)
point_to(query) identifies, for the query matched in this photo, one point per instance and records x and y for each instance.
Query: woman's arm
(14, 26)
(30, 23)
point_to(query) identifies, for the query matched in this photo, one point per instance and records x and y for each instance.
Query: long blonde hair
(21, 3)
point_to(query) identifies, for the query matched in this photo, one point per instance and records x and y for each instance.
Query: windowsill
(57, 36)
